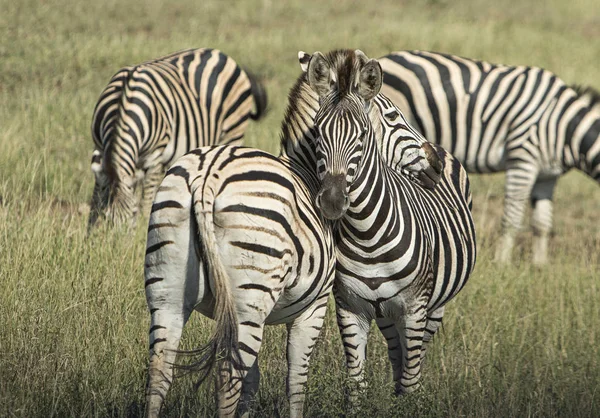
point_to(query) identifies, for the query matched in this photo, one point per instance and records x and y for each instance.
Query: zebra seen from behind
(152, 113)
(402, 251)
(234, 234)
(522, 120)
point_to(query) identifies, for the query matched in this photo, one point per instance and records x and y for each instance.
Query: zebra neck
(297, 129)
(370, 186)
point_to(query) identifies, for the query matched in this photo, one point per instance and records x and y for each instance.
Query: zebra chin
(332, 200)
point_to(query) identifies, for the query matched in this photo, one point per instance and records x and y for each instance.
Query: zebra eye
(392, 115)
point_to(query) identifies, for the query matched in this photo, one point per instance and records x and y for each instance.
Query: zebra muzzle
(332, 200)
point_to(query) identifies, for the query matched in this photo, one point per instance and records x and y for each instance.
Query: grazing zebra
(234, 234)
(402, 251)
(151, 114)
(522, 120)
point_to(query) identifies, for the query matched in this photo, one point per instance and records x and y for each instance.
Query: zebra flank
(152, 113)
(403, 251)
(522, 120)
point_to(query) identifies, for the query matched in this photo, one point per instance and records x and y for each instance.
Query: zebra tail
(260, 96)
(223, 345)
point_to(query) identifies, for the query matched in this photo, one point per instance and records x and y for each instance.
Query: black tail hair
(260, 96)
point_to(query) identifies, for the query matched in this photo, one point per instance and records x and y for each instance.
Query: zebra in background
(151, 114)
(234, 234)
(402, 251)
(522, 120)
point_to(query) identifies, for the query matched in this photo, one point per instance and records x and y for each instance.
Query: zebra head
(113, 197)
(345, 117)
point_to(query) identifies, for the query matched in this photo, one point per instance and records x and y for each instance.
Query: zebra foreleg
(392, 337)
(355, 332)
(303, 333)
(541, 221)
(519, 183)
(412, 333)
(152, 179)
(434, 322)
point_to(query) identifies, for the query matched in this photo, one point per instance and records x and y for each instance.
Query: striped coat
(522, 120)
(152, 113)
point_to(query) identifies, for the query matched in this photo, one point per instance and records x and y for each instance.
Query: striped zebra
(522, 120)
(151, 114)
(402, 251)
(234, 234)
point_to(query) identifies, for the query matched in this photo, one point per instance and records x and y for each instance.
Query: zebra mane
(591, 92)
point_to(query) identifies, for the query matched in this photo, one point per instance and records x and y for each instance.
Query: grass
(518, 341)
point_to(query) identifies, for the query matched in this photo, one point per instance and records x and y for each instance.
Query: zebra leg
(303, 333)
(434, 321)
(231, 374)
(174, 284)
(249, 390)
(165, 334)
(355, 332)
(519, 183)
(392, 337)
(412, 334)
(150, 183)
(541, 221)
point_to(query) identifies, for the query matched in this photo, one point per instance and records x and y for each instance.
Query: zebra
(402, 251)
(522, 120)
(234, 234)
(152, 113)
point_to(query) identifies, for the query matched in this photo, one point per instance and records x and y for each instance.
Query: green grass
(518, 341)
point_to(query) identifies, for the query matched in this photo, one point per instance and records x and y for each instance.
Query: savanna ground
(518, 341)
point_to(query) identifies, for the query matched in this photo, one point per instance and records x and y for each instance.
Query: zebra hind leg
(233, 372)
(249, 390)
(303, 333)
(519, 184)
(165, 334)
(174, 284)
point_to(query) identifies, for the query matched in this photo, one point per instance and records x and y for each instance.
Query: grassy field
(518, 341)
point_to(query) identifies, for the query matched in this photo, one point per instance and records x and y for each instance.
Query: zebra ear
(304, 59)
(319, 74)
(370, 80)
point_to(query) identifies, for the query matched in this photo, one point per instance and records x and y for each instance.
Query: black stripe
(166, 204)
(157, 246)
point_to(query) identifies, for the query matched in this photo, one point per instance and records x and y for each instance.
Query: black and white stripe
(263, 255)
(402, 251)
(522, 120)
(152, 113)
